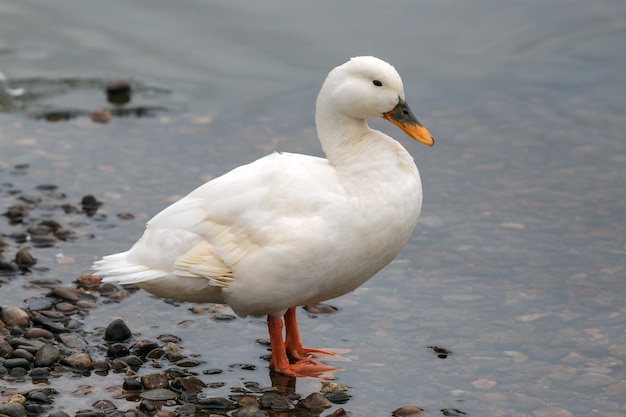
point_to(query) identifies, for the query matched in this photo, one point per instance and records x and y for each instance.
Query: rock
(24, 259)
(132, 385)
(46, 356)
(59, 414)
(100, 116)
(79, 361)
(159, 394)
(407, 410)
(72, 340)
(275, 402)
(155, 380)
(104, 405)
(13, 410)
(16, 363)
(315, 402)
(117, 331)
(36, 333)
(118, 92)
(22, 353)
(15, 317)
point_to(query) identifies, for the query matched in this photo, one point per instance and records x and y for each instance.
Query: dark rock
(39, 396)
(118, 92)
(59, 414)
(104, 405)
(13, 410)
(90, 205)
(157, 353)
(169, 338)
(315, 402)
(155, 380)
(48, 324)
(117, 350)
(40, 373)
(338, 397)
(39, 303)
(132, 385)
(72, 340)
(22, 353)
(24, 259)
(276, 402)
(16, 363)
(117, 331)
(340, 412)
(90, 414)
(191, 384)
(143, 347)
(215, 403)
(18, 372)
(46, 356)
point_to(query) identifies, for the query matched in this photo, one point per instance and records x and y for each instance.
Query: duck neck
(341, 136)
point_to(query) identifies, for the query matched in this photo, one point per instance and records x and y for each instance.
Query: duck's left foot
(306, 368)
(300, 353)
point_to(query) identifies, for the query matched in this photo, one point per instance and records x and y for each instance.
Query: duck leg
(303, 368)
(293, 343)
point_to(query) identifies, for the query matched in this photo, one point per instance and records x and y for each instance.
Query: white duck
(288, 229)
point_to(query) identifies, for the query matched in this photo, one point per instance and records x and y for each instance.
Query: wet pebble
(407, 410)
(143, 347)
(215, 403)
(72, 340)
(22, 353)
(16, 363)
(315, 402)
(132, 385)
(24, 259)
(13, 410)
(104, 405)
(117, 331)
(118, 92)
(15, 317)
(78, 361)
(46, 356)
(159, 394)
(100, 116)
(155, 380)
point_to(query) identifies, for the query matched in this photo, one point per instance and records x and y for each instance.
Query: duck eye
(377, 83)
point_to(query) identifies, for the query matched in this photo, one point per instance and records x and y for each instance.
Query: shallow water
(518, 265)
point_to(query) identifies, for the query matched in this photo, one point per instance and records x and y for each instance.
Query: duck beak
(403, 117)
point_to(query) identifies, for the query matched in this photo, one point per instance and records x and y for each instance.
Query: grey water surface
(518, 265)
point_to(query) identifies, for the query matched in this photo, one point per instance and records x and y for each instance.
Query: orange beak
(403, 117)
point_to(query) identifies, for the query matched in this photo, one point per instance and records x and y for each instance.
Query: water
(519, 263)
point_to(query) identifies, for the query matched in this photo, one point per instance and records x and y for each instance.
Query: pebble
(101, 116)
(24, 259)
(15, 317)
(72, 340)
(78, 361)
(13, 410)
(155, 380)
(16, 363)
(408, 410)
(117, 331)
(315, 402)
(36, 333)
(159, 394)
(46, 356)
